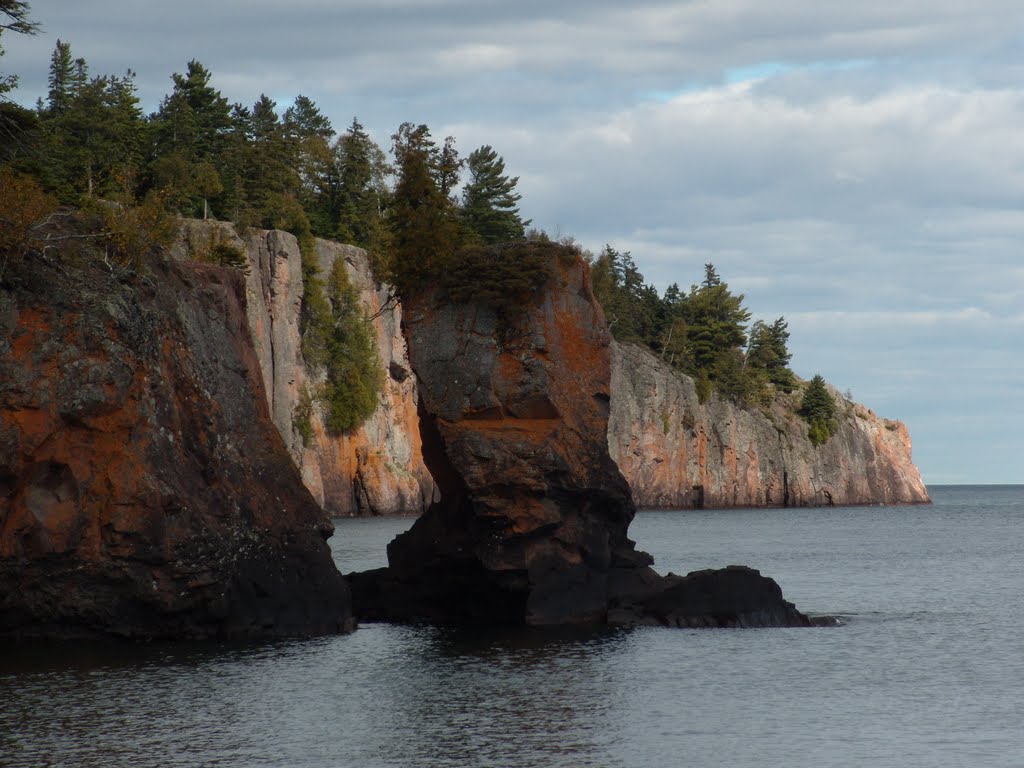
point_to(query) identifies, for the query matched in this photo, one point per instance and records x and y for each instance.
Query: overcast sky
(855, 167)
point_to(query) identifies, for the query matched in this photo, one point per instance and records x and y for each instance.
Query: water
(928, 670)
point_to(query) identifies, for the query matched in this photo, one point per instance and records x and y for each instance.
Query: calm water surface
(928, 671)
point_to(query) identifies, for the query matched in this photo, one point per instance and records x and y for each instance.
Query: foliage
(702, 382)
(133, 232)
(23, 205)
(303, 415)
(17, 20)
(357, 208)
(223, 252)
(818, 408)
(768, 351)
(489, 199)
(422, 218)
(631, 307)
(504, 275)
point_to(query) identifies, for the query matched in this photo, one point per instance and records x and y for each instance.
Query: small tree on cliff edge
(819, 410)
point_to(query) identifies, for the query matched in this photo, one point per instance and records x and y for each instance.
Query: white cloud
(858, 167)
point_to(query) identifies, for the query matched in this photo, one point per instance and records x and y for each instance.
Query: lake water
(927, 671)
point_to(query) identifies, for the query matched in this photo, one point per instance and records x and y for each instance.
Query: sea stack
(531, 526)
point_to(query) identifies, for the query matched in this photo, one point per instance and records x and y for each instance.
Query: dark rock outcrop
(144, 491)
(533, 513)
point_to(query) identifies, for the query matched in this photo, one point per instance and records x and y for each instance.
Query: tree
(717, 320)
(61, 80)
(422, 218)
(361, 188)
(95, 140)
(308, 133)
(14, 123)
(818, 408)
(768, 351)
(489, 199)
(16, 13)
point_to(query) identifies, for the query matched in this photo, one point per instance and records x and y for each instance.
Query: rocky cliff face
(532, 518)
(144, 491)
(376, 469)
(677, 453)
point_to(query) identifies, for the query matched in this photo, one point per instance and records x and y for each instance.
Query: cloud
(855, 167)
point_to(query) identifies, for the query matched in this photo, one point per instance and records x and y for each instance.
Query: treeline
(259, 165)
(426, 215)
(704, 333)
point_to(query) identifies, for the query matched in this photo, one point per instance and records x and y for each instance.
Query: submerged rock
(533, 513)
(144, 491)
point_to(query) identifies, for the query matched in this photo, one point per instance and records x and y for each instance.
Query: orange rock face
(143, 489)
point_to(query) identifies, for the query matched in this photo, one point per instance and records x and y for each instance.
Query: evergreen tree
(818, 408)
(15, 123)
(422, 220)
(489, 199)
(308, 133)
(14, 18)
(361, 189)
(61, 80)
(95, 141)
(194, 122)
(768, 351)
(716, 319)
(447, 167)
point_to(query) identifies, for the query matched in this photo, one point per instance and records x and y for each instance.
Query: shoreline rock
(531, 524)
(144, 491)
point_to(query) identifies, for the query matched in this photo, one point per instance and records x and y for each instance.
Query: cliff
(377, 468)
(676, 452)
(673, 451)
(144, 491)
(531, 523)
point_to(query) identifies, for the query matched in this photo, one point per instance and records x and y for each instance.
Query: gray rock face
(677, 453)
(376, 469)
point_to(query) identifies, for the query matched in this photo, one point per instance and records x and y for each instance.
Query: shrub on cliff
(339, 342)
(504, 275)
(23, 205)
(818, 408)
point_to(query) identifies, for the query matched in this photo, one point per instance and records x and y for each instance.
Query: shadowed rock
(144, 491)
(533, 513)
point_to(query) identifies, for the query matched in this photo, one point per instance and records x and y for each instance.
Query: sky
(857, 168)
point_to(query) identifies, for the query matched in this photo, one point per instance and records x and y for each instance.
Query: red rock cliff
(144, 491)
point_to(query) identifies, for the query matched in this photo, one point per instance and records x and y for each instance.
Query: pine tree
(17, 20)
(716, 319)
(422, 219)
(818, 408)
(489, 199)
(768, 351)
(62, 72)
(361, 188)
(308, 133)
